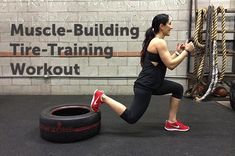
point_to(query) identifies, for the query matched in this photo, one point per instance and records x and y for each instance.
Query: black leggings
(142, 98)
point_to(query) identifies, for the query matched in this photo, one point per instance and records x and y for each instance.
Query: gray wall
(115, 75)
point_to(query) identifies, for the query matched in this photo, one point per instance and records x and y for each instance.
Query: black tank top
(151, 76)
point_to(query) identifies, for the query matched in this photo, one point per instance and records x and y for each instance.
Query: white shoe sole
(174, 129)
(93, 98)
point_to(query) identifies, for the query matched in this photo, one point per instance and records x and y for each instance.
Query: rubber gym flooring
(212, 130)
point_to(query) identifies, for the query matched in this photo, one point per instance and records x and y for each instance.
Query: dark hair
(151, 32)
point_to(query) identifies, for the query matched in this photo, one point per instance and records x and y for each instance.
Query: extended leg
(134, 112)
(114, 105)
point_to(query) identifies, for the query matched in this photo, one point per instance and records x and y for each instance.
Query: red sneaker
(176, 126)
(96, 100)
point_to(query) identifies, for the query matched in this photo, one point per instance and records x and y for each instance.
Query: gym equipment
(232, 94)
(207, 53)
(220, 91)
(69, 123)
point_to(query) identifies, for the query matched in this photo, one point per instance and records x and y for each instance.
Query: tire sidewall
(68, 128)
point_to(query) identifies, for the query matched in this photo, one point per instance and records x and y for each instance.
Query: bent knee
(132, 120)
(178, 91)
(180, 88)
(131, 116)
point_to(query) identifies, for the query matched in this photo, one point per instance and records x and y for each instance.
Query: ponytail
(151, 32)
(149, 35)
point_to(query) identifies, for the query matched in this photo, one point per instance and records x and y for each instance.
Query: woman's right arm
(165, 55)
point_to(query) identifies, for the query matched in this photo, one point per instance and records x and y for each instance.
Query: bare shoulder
(157, 44)
(157, 41)
(160, 44)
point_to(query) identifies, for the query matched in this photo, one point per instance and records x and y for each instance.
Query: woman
(155, 58)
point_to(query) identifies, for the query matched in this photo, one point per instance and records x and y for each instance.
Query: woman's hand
(189, 47)
(180, 47)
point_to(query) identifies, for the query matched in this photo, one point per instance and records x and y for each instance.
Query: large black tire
(69, 123)
(232, 94)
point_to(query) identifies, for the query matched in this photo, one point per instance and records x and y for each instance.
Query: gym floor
(212, 129)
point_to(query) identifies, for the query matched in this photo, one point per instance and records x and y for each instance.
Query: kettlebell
(220, 91)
